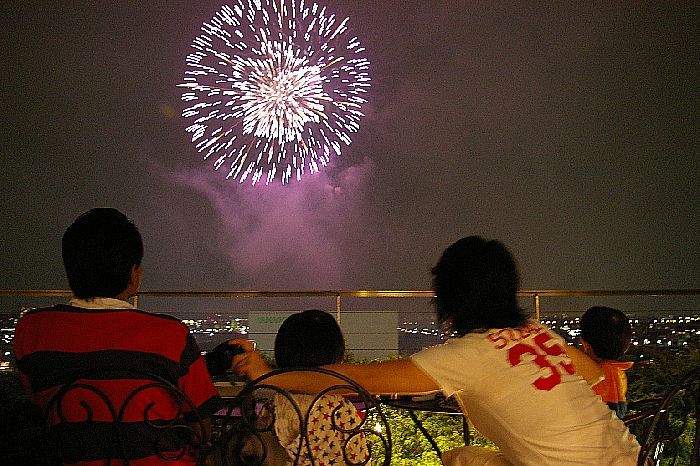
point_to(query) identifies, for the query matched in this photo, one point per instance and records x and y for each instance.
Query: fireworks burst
(273, 88)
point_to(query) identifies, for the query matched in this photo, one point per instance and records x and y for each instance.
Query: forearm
(401, 376)
(398, 376)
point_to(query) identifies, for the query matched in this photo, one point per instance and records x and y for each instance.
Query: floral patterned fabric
(330, 426)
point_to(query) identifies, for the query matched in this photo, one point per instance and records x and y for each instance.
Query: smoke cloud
(291, 236)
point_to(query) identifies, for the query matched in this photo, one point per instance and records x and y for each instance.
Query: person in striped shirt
(99, 332)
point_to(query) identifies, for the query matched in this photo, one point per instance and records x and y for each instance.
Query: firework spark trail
(274, 87)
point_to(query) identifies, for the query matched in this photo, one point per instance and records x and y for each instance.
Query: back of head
(607, 330)
(475, 284)
(99, 250)
(309, 339)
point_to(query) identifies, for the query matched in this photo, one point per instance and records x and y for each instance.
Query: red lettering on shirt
(543, 347)
(501, 342)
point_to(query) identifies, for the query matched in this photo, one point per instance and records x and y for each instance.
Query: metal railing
(535, 295)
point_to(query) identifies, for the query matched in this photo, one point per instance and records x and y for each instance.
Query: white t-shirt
(519, 389)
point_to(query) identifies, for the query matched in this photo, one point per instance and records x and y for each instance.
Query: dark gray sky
(570, 132)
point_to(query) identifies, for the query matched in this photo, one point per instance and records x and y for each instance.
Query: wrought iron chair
(266, 425)
(660, 422)
(153, 417)
(22, 430)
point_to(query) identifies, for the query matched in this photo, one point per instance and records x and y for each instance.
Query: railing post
(136, 300)
(537, 307)
(337, 308)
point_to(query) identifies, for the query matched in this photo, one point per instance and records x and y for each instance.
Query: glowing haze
(273, 89)
(299, 237)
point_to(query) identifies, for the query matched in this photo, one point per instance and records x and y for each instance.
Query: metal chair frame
(251, 414)
(659, 422)
(165, 431)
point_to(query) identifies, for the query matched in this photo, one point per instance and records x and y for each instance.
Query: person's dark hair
(99, 250)
(475, 284)
(309, 339)
(607, 330)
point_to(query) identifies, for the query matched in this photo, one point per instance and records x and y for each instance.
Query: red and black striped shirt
(52, 345)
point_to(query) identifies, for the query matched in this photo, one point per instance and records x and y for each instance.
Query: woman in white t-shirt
(520, 384)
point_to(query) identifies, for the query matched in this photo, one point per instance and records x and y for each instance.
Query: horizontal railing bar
(35, 293)
(576, 293)
(359, 293)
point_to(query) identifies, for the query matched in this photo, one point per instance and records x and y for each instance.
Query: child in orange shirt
(605, 335)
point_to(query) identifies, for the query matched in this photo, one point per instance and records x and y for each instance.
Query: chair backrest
(660, 423)
(267, 425)
(92, 418)
(22, 426)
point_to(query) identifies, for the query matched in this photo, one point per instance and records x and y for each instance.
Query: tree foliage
(657, 370)
(655, 373)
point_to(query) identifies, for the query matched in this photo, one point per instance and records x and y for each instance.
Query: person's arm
(398, 376)
(585, 366)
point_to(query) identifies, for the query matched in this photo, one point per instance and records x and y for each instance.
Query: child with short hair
(606, 335)
(313, 338)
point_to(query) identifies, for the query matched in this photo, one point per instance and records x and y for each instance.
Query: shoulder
(165, 318)
(144, 324)
(33, 316)
(615, 366)
(622, 366)
(33, 311)
(164, 326)
(445, 353)
(153, 318)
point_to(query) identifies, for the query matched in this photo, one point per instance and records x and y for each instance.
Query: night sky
(569, 132)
